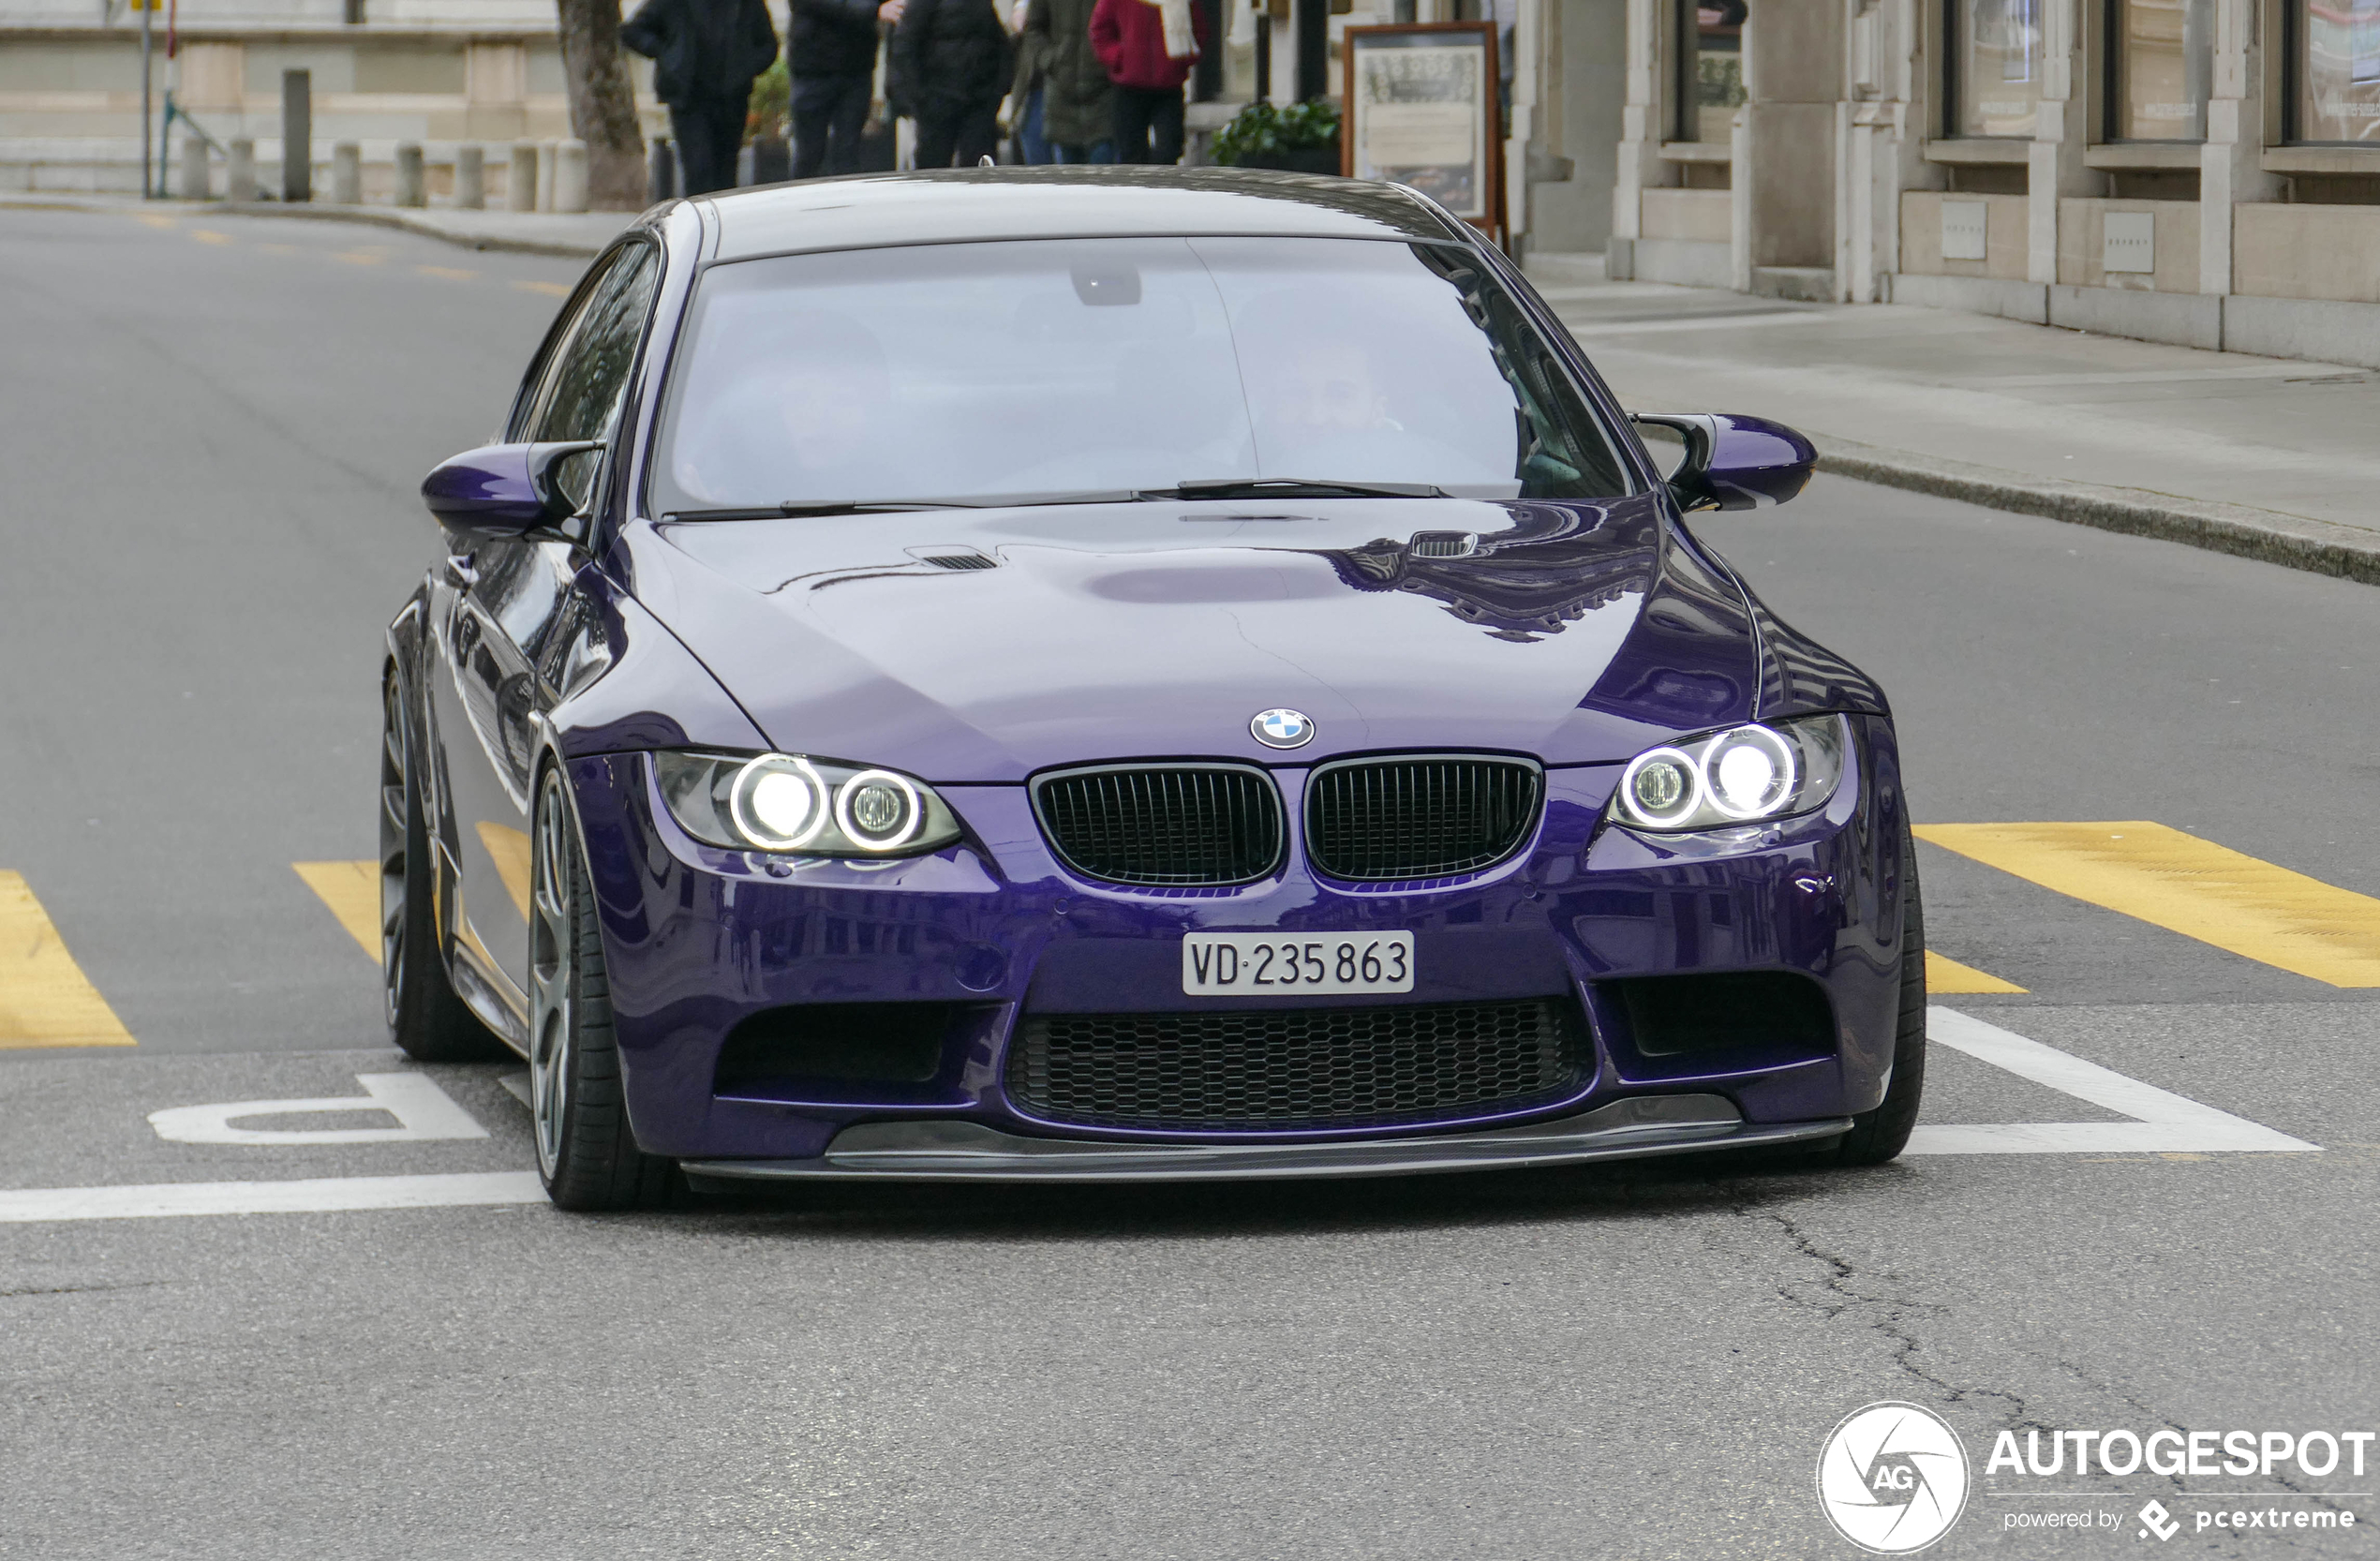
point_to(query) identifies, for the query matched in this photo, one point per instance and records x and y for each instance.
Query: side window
(582, 395)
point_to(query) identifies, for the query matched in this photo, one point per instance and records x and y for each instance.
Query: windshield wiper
(823, 507)
(1292, 487)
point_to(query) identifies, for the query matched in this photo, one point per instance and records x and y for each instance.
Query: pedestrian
(1147, 47)
(1077, 101)
(831, 56)
(1025, 92)
(705, 54)
(951, 65)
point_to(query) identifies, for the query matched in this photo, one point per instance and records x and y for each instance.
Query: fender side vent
(1443, 544)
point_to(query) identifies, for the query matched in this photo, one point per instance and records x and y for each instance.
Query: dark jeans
(829, 111)
(970, 134)
(709, 131)
(1103, 152)
(1148, 126)
(1031, 147)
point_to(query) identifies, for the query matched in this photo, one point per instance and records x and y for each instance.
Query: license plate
(1270, 964)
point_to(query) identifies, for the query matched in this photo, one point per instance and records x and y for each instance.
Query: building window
(2335, 57)
(2162, 56)
(1710, 73)
(1996, 66)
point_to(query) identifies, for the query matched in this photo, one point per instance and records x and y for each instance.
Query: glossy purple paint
(1734, 462)
(1575, 633)
(698, 938)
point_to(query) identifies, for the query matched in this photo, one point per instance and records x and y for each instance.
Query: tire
(587, 1153)
(426, 1020)
(1881, 1135)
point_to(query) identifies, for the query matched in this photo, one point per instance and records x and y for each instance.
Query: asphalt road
(211, 431)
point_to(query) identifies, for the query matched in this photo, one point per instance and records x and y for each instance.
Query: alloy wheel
(395, 795)
(553, 912)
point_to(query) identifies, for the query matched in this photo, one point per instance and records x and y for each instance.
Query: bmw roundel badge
(1282, 728)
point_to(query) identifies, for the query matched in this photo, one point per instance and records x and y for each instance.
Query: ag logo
(1892, 1478)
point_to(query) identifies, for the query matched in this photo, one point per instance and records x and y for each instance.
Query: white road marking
(320, 1195)
(2162, 1123)
(422, 1109)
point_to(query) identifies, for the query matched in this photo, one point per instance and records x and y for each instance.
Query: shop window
(2162, 59)
(2334, 54)
(1710, 75)
(1996, 66)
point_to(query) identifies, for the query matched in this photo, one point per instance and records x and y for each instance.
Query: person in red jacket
(1147, 47)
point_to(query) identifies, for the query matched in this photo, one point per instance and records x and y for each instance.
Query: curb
(426, 226)
(2293, 542)
(371, 216)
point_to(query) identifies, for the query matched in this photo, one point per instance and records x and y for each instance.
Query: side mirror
(1735, 462)
(502, 490)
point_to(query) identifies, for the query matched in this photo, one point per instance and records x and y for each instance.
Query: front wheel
(1881, 1135)
(585, 1153)
(426, 1019)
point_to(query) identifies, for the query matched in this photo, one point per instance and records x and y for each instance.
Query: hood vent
(958, 561)
(1443, 544)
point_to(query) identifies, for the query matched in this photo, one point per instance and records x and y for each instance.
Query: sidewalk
(2266, 457)
(571, 236)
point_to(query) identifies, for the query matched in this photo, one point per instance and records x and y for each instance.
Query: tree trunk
(603, 104)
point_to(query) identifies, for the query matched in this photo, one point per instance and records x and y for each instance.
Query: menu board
(1421, 110)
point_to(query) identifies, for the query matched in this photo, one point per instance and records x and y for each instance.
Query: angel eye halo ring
(793, 803)
(1744, 774)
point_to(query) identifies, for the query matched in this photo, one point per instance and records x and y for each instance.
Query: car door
(509, 608)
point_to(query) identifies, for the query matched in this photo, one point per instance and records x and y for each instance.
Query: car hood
(984, 645)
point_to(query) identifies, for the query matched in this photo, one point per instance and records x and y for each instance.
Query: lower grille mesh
(1290, 1067)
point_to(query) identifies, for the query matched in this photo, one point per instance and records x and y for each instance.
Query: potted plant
(1302, 137)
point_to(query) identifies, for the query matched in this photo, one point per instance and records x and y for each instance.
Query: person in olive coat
(705, 54)
(1077, 99)
(951, 65)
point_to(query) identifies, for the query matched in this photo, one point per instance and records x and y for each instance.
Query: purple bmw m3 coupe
(1104, 673)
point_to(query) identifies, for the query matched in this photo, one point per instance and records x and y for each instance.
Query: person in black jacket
(951, 66)
(832, 60)
(705, 54)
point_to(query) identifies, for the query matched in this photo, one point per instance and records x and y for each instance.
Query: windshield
(977, 371)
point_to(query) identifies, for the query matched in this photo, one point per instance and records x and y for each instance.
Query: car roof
(962, 205)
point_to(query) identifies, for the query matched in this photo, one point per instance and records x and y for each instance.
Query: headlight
(785, 802)
(1744, 775)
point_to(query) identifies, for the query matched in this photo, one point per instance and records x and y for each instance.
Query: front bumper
(699, 939)
(969, 1152)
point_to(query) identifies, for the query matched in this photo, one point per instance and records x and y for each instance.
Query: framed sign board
(1422, 111)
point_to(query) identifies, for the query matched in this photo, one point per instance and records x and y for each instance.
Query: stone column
(1787, 136)
(545, 150)
(413, 184)
(2229, 168)
(520, 194)
(2061, 133)
(241, 175)
(470, 176)
(570, 176)
(197, 178)
(347, 173)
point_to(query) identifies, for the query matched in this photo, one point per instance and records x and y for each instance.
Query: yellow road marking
(352, 891)
(358, 257)
(451, 273)
(279, 248)
(45, 999)
(208, 235)
(1949, 976)
(510, 847)
(2192, 886)
(551, 289)
(155, 219)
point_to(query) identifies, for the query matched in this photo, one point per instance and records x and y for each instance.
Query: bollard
(413, 187)
(520, 194)
(297, 135)
(546, 175)
(570, 176)
(347, 173)
(241, 175)
(196, 185)
(470, 176)
(661, 170)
